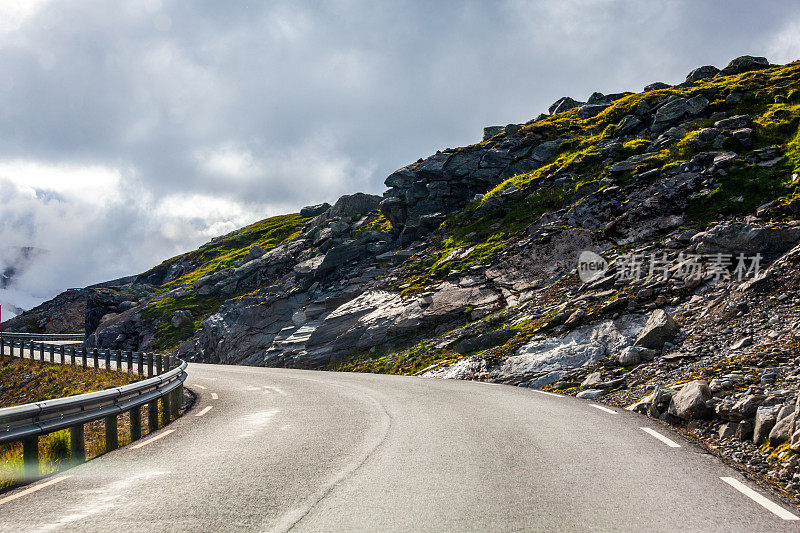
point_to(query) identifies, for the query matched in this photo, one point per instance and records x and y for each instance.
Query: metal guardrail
(164, 381)
(77, 337)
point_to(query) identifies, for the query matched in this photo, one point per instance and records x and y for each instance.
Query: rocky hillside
(687, 196)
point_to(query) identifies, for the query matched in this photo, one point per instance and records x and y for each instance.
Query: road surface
(275, 449)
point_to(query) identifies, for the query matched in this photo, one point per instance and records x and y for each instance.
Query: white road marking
(214, 396)
(152, 439)
(276, 389)
(200, 386)
(205, 410)
(548, 393)
(606, 409)
(669, 442)
(33, 489)
(759, 499)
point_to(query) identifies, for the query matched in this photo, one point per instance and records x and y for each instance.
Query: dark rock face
(745, 64)
(655, 86)
(702, 73)
(421, 193)
(314, 210)
(491, 131)
(63, 314)
(565, 103)
(748, 238)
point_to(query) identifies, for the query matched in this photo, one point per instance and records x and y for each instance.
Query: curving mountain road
(274, 449)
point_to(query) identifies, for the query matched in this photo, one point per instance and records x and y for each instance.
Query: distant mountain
(14, 260)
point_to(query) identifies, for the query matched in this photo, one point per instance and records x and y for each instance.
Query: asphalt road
(277, 449)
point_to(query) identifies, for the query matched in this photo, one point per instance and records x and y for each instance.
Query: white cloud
(228, 162)
(784, 47)
(14, 13)
(90, 184)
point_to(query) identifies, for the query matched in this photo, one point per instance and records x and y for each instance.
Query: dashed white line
(547, 393)
(214, 396)
(33, 489)
(200, 387)
(205, 410)
(669, 442)
(606, 409)
(759, 499)
(152, 439)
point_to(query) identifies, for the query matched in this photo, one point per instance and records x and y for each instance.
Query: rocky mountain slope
(466, 266)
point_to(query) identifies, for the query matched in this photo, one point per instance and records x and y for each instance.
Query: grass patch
(404, 362)
(25, 381)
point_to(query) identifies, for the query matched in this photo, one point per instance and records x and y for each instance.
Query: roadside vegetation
(24, 381)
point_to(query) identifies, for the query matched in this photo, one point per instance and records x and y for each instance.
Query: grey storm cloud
(197, 117)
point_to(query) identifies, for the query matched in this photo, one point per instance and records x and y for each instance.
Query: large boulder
(690, 402)
(766, 417)
(491, 131)
(734, 123)
(314, 210)
(702, 73)
(660, 328)
(355, 205)
(744, 64)
(782, 431)
(747, 238)
(565, 103)
(656, 86)
(676, 109)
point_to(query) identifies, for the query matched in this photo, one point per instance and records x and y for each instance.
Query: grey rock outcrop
(690, 402)
(748, 238)
(660, 328)
(744, 64)
(702, 73)
(314, 210)
(544, 361)
(565, 103)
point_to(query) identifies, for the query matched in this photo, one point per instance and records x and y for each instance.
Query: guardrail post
(166, 411)
(177, 400)
(140, 363)
(83, 357)
(76, 444)
(150, 365)
(108, 359)
(112, 438)
(72, 356)
(30, 458)
(152, 416)
(62, 354)
(119, 360)
(95, 358)
(130, 361)
(52, 354)
(159, 364)
(41, 352)
(136, 423)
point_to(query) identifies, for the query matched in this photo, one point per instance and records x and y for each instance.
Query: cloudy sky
(131, 131)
